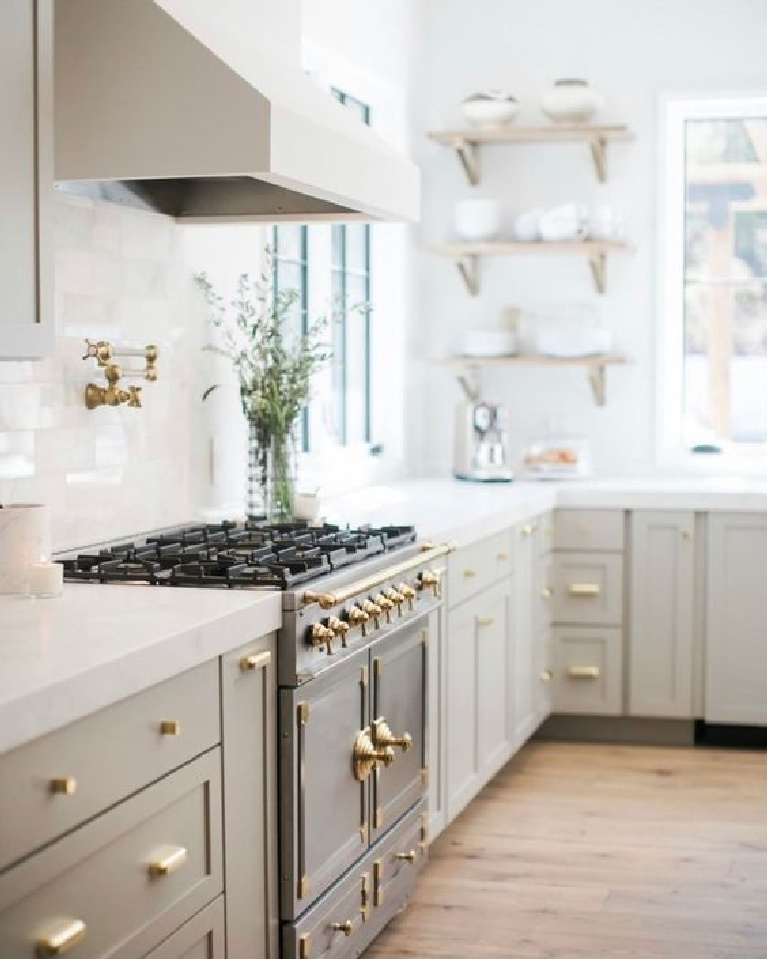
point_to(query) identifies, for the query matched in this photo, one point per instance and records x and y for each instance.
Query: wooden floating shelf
(595, 366)
(467, 256)
(467, 143)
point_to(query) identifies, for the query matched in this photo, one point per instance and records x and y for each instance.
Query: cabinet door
(248, 707)
(736, 611)
(543, 675)
(461, 666)
(524, 605)
(662, 598)
(26, 178)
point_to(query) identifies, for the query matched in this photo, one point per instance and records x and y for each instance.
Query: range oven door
(323, 806)
(399, 683)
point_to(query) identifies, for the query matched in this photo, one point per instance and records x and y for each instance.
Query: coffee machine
(481, 451)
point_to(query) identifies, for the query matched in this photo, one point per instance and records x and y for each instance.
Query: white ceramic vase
(571, 101)
(477, 220)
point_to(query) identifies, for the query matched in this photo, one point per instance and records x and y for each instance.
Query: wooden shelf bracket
(598, 382)
(598, 264)
(468, 267)
(598, 147)
(468, 153)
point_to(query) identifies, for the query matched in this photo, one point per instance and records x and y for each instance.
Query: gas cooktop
(231, 554)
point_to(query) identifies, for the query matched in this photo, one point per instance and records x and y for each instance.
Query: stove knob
(358, 617)
(396, 598)
(374, 611)
(408, 592)
(322, 636)
(430, 580)
(386, 605)
(339, 628)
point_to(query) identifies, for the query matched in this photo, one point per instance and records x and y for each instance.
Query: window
(714, 316)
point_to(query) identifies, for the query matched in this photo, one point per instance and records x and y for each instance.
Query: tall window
(715, 316)
(350, 266)
(290, 263)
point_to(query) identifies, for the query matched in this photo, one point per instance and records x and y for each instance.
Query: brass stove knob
(386, 605)
(322, 636)
(430, 580)
(383, 736)
(374, 611)
(396, 598)
(339, 628)
(358, 617)
(408, 592)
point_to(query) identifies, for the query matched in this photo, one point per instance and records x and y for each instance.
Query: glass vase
(271, 476)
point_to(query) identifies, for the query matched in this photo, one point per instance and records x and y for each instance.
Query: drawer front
(398, 857)
(125, 880)
(588, 588)
(200, 938)
(588, 672)
(99, 760)
(589, 529)
(474, 568)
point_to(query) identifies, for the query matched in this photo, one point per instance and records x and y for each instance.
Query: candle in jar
(45, 579)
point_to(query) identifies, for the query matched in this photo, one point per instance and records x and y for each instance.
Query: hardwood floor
(599, 852)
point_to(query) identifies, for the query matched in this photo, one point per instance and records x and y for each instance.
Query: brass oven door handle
(583, 672)
(166, 861)
(584, 590)
(61, 940)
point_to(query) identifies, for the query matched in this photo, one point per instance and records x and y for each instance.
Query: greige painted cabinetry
(26, 178)
(662, 612)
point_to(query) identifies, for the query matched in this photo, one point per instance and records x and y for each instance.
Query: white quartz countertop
(63, 658)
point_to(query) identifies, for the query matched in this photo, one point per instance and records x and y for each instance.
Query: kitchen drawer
(356, 900)
(202, 937)
(473, 568)
(99, 760)
(589, 529)
(588, 671)
(129, 878)
(588, 588)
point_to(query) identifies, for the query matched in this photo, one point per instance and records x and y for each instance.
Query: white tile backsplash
(120, 275)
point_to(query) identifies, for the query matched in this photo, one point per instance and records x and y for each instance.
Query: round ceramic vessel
(477, 219)
(571, 101)
(487, 110)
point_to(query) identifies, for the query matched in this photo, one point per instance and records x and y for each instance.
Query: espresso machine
(481, 445)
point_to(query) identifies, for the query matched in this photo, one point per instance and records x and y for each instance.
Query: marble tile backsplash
(120, 276)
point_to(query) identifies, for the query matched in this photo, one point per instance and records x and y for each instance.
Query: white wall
(632, 52)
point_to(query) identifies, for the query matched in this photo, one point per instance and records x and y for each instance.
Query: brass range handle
(347, 928)
(166, 861)
(429, 579)
(583, 672)
(61, 939)
(62, 786)
(383, 736)
(584, 590)
(409, 856)
(371, 583)
(366, 756)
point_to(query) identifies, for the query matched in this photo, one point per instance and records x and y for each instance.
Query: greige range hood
(167, 104)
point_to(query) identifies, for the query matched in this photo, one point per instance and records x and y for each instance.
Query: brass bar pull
(583, 672)
(170, 727)
(502, 557)
(168, 860)
(485, 620)
(63, 786)
(469, 573)
(584, 590)
(63, 939)
(406, 856)
(255, 661)
(347, 928)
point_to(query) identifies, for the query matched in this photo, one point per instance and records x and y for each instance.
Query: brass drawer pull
(529, 528)
(584, 590)
(547, 592)
(63, 786)
(170, 727)
(583, 672)
(406, 856)
(167, 861)
(347, 928)
(546, 675)
(485, 620)
(62, 940)
(469, 573)
(502, 557)
(255, 661)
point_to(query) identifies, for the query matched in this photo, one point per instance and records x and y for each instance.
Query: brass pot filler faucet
(112, 394)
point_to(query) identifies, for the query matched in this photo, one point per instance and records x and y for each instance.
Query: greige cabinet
(736, 612)
(26, 178)
(525, 605)
(248, 711)
(662, 612)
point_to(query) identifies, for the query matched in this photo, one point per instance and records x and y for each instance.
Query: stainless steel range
(358, 607)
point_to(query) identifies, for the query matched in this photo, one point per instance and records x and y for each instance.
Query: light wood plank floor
(599, 852)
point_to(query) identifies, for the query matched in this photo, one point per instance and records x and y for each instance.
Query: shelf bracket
(468, 154)
(598, 382)
(468, 267)
(598, 264)
(598, 147)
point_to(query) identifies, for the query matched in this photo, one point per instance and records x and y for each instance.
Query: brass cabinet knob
(347, 928)
(386, 605)
(408, 592)
(406, 856)
(170, 727)
(64, 786)
(366, 756)
(339, 628)
(546, 675)
(430, 580)
(374, 611)
(166, 861)
(396, 598)
(383, 736)
(61, 939)
(322, 636)
(358, 617)
(547, 592)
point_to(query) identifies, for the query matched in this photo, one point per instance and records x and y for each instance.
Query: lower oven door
(323, 806)
(399, 667)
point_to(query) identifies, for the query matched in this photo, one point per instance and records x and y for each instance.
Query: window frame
(671, 452)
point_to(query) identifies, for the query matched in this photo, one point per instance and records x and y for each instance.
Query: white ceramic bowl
(477, 219)
(571, 101)
(489, 110)
(527, 226)
(566, 222)
(488, 343)
(575, 343)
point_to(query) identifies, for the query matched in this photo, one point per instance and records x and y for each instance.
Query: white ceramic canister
(478, 219)
(25, 540)
(571, 101)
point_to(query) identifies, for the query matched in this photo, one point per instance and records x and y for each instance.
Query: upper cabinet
(26, 179)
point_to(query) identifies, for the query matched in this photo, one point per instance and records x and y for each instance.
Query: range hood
(167, 104)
